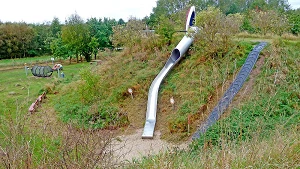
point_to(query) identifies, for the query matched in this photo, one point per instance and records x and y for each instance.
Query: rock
(12, 93)
(2, 154)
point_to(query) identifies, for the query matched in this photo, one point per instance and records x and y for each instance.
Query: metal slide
(176, 55)
(235, 86)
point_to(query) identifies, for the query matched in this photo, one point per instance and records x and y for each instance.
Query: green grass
(278, 91)
(97, 100)
(17, 132)
(29, 61)
(262, 128)
(260, 132)
(17, 88)
(196, 82)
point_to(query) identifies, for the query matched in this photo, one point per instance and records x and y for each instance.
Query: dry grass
(282, 150)
(285, 36)
(50, 144)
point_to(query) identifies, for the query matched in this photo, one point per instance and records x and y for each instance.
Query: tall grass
(63, 148)
(39, 140)
(260, 132)
(281, 150)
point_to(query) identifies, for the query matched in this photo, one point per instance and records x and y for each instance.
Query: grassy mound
(100, 99)
(260, 131)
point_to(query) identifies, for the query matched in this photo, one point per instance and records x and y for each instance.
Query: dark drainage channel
(232, 90)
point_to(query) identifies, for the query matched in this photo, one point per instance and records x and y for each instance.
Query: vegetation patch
(202, 80)
(262, 131)
(278, 103)
(84, 105)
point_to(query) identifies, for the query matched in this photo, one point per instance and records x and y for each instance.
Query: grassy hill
(260, 128)
(267, 108)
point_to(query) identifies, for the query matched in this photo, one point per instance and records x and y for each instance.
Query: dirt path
(128, 147)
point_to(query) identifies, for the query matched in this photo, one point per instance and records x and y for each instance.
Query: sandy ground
(128, 147)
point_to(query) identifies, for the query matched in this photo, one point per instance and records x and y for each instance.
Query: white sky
(39, 11)
(295, 4)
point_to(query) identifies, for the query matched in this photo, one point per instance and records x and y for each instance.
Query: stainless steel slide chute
(175, 57)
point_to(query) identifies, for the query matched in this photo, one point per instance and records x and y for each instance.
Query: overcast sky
(39, 11)
(33, 11)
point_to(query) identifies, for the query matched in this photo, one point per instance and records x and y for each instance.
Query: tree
(167, 8)
(121, 21)
(25, 34)
(76, 35)
(40, 44)
(60, 50)
(203, 4)
(128, 35)
(101, 30)
(294, 20)
(15, 39)
(217, 30)
(104, 33)
(166, 30)
(55, 27)
(93, 45)
(278, 5)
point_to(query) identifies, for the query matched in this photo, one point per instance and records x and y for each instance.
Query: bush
(216, 31)
(82, 105)
(128, 35)
(269, 22)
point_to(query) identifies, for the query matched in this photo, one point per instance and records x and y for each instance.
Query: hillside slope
(260, 129)
(269, 101)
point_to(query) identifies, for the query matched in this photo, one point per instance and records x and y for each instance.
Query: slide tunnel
(175, 57)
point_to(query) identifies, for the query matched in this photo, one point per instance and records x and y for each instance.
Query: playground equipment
(41, 71)
(45, 71)
(232, 90)
(176, 55)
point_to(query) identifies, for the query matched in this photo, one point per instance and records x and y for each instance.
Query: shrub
(82, 105)
(128, 35)
(216, 31)
(269, 22)
(89, 89)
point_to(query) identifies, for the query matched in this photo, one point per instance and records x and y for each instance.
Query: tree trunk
(77, 58)
(87, 57)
